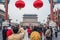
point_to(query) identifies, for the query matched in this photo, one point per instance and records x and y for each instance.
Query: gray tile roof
(1, 11)
(30, 15)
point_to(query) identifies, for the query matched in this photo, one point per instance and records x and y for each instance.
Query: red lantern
(20, 4)
(38, 4)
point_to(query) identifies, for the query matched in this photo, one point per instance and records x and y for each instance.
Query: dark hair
(4, 27)
(47, 27)
(35, 28)
(15, 29)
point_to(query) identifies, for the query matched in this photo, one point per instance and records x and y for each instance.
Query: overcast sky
(15, 13)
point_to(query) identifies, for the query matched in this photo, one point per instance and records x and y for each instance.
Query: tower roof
(30, 15)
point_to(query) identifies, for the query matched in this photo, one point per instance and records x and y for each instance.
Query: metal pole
(51, 10)
(6, 10)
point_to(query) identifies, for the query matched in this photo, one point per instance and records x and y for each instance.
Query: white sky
(15, 13)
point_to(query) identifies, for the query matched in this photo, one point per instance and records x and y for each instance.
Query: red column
(6, 10)
(51, 10)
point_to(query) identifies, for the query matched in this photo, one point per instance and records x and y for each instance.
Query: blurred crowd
(13, 33)
(44, 32)
(34, 32)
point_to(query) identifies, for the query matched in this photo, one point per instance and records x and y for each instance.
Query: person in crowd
(29, 31)
(9, 31)
(56, 32)
(0, 27)
(21, 29)
(37, 28)
(12, 27)
(35, 35)
(51, 31)
(44, 29)
(40, 31)
(4, 30)
(48, 34)
(16, 35)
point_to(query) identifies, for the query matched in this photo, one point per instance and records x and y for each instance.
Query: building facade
(30, 20)
(56, 17)
(1, 17)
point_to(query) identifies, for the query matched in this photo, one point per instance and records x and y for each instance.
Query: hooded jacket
(9, 31)
(35, 36)
(17, 36)
(48, 33)
(29, 31)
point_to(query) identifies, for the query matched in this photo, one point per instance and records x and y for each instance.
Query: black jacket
(4, 34)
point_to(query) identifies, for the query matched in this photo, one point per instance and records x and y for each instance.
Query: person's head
(35, 28)
(47, 27)
(31, 27)
(15, 30)
(44, 25)
(4, 27)
(28, 27)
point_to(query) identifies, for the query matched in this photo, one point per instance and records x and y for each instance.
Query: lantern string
(20, 0)
(19, 8)
(38, 0)
(37, 8)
